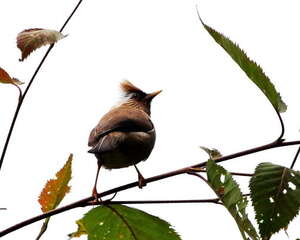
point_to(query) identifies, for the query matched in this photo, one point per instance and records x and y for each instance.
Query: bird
(125, 135)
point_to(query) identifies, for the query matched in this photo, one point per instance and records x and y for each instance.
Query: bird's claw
(142, 182)
(97, 199)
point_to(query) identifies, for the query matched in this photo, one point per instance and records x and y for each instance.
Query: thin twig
(199, 176)
(295, 158)
(20, 92)
(282, 127)
(210, 200)
(232, 173)
(206, 181)
(83, 202)
(21, 99)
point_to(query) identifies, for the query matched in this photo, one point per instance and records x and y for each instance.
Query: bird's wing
(120, 120)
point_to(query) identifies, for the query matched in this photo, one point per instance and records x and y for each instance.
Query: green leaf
(275, 194)
(112, 222)
(231, 196)
(251, 68)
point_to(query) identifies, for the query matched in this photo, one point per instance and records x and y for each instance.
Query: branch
(210, 200)
(282, 127)
(83, 202)
(20, 92)
(295, 158)
(22, 97)
(232, 173)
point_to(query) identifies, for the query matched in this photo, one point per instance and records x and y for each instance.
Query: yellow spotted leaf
(56, 189)
(5, 78)
(34, 38)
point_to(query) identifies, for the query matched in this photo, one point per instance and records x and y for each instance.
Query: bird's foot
(97, 199)
(142, 182)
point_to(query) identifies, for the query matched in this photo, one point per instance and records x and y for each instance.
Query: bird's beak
(150, 96)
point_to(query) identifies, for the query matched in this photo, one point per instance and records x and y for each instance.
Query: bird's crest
(128, 88)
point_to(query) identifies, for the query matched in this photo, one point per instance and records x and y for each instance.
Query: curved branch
(282, 127)
(295, 158)
(20, 92)
(83, 202)
(21, 99)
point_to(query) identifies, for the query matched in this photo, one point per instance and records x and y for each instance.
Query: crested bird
(125, 135)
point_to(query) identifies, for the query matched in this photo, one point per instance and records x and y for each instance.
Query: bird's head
(137, 97)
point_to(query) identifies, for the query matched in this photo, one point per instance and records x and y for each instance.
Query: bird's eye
(134, 95)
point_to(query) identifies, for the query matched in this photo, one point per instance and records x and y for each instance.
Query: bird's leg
(142, 182)
(95, 192)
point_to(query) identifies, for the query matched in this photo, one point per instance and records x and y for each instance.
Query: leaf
(231, 196)
(275, 194)
(5, 78)
(251, 68)
(54, 191)
(111, 222)
(34, 38)
(213, 153)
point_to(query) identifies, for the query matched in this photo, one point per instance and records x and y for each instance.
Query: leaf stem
(22, 97)
(83, 202)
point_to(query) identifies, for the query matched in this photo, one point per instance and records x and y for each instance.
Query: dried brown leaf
(34, 38)
(5, 78)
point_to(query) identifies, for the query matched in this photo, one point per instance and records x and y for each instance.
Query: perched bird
(125, 135)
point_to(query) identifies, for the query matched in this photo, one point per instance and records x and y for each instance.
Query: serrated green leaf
(112, 222)
(230, 194)
(251, 68)
(275, 194)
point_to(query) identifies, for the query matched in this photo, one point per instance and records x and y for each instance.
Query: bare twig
(210, 200)
(295, 158)
(83, 202)
(199, 176)
(279, 139)
(21, 99)
(232, 173)
(20, 92)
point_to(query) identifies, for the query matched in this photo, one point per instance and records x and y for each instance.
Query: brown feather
(120, 119)
(129, 88)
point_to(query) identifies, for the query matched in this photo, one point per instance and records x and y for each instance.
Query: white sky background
(206, 101)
